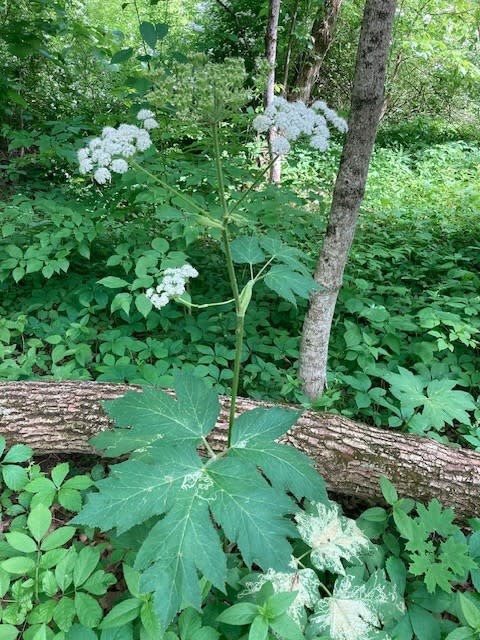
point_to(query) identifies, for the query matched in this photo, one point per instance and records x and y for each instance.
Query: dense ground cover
(410, 298)
(175, 539)
(403, 354)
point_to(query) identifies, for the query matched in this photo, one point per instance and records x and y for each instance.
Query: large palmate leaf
(246, 250)
(285, 467)
(193, 497)
(157, 416)
(358, 610)
(136, 491)
(289, 284)
(251, 513)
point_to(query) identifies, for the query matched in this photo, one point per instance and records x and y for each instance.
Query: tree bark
(366, 106)
(271, 56)
(322, 33)
(288, 54)
(60, 417)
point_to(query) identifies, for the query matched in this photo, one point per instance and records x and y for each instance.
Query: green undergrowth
(406, 326)
(405, 571)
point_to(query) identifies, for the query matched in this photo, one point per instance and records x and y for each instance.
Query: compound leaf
(246, 250)
(251, 513)
(188, 495)
(289, 284)
(158, 416)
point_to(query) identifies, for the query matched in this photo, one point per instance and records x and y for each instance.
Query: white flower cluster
(172, 285)
(147, 118)
(109, 152)
(295, 119)
(194, 26)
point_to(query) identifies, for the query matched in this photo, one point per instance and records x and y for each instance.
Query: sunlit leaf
(357, 610)
(331, 536)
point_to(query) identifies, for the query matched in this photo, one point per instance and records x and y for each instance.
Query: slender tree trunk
(322, 33)
(366, 106)
(271, 56)
(288, 55)
(60, 417)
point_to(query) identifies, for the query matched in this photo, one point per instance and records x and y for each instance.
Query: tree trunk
(288, 54)
(271, 56)
(322, 33)
(366, 106)
(60, 417)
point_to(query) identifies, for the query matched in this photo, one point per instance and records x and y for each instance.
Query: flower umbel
(171, 286)
(110, 151)
(294, 119)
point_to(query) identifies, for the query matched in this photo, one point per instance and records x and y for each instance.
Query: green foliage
(53, 62)
(433, 63)
(440, 403)
(229, 539)
(50, 581)
(424, 320)
(192, 494)
(63, 327)
(199, 92)
(429, 559)
(271, 614)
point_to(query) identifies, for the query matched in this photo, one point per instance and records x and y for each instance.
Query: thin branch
(228, 9)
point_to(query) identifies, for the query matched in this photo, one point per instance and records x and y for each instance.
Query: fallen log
(60, 417)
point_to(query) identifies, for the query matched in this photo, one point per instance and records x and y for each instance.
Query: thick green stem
(183, 196)
(256, 181)
(236, 374)
(233, 281)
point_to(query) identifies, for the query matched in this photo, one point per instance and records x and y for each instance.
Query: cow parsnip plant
(193, 510)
